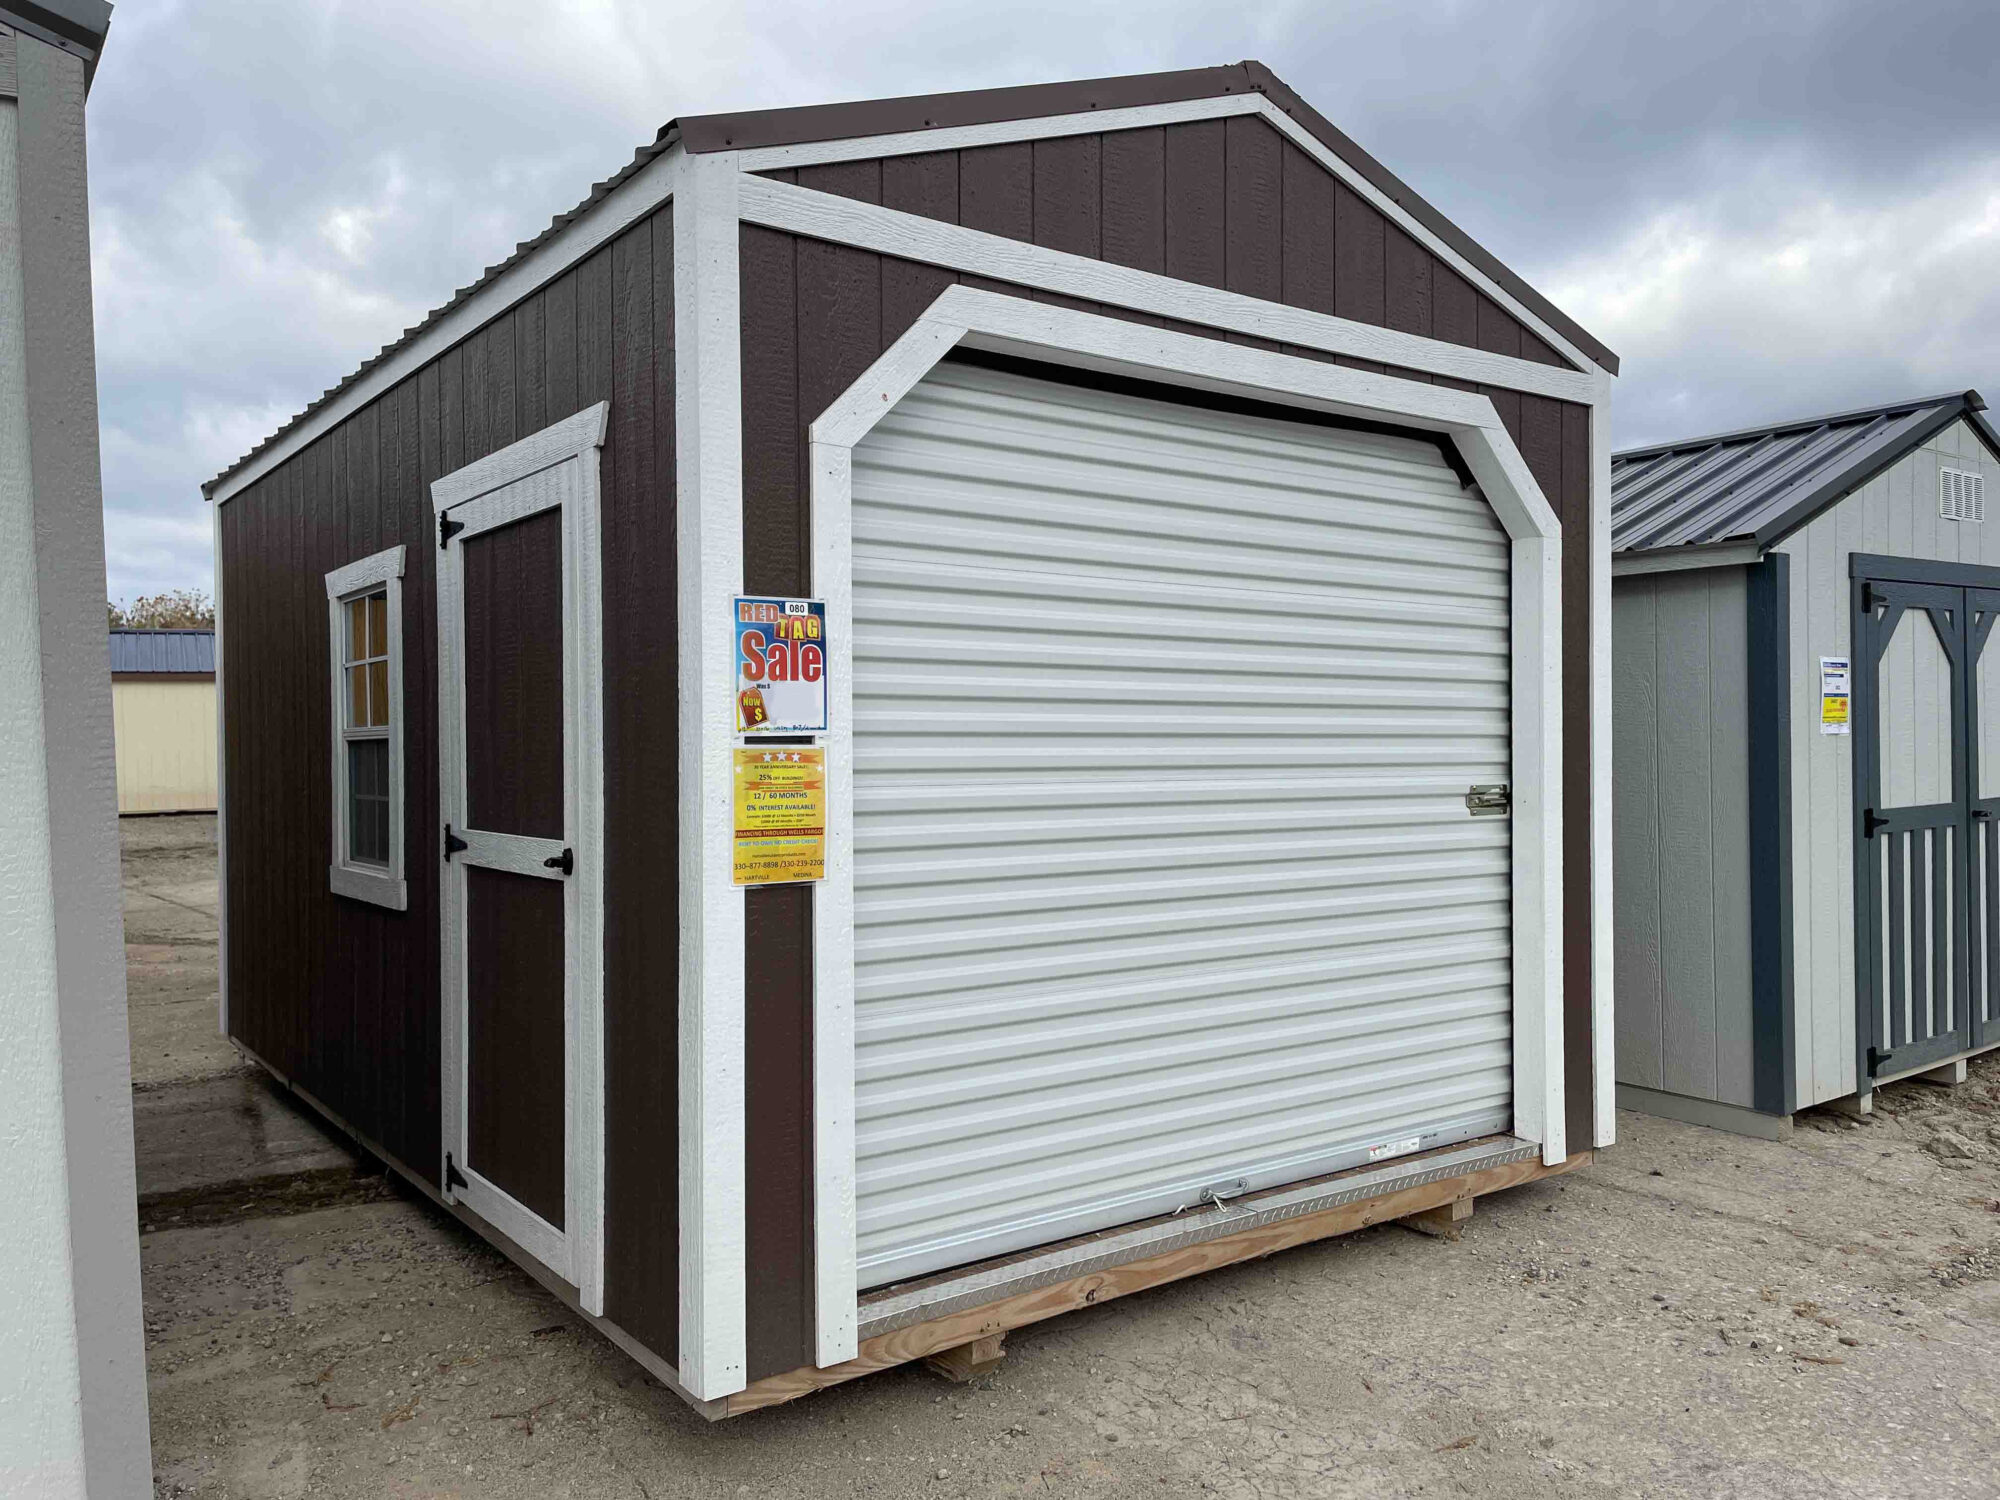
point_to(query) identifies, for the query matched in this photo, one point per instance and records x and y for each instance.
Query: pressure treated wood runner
(962, 1325)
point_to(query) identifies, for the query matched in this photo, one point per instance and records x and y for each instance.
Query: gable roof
(1760, 484)
(748, 129)
(163, 651)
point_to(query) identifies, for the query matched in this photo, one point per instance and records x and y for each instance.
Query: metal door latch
(565, 861)
(1487, 801)
(1217, 1195)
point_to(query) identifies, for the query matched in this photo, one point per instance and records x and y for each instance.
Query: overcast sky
(1768, 209)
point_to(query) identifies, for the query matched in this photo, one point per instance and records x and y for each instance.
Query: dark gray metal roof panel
(190, 651)
(1763, 483)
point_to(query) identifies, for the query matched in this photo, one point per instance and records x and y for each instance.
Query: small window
(365, 607)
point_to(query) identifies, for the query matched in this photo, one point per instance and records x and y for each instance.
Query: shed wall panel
(1896, 513)
(1681, 816)
(342, 997)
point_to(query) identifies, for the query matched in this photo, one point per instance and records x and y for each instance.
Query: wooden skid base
(969, 1361)
(1446, 1221)
(979, 1324)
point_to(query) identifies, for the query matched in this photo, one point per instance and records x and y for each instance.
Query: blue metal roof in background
(1763, 483)
(163, 650)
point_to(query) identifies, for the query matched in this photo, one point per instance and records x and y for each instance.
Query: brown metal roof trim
(747, 129)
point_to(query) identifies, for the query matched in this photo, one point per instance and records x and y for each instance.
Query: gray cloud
(1766, 209)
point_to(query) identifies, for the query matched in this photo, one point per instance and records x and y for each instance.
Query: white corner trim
(1091, 122)
(709, 555)
(386, 886)
(645, 191)
(221, 792)
(826, 216)
(557, 468)
(1055, 334)
(1603, 932)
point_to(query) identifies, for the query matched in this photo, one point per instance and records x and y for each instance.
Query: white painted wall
(41, 1435)
(1895, 514)
(72, 1362)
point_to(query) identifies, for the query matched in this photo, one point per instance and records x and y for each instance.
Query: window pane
(357, 629)
(378, 692)
(357, 697)
(378, 624)
(368, 801)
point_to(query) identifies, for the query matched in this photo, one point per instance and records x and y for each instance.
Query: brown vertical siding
(1222, 203)
(340, 996)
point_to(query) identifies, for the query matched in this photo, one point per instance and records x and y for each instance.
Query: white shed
(1807, 877)
(163, 717)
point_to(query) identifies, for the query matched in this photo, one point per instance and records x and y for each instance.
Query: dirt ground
(1696, 1314)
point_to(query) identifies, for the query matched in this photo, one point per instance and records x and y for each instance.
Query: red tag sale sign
(780, 666)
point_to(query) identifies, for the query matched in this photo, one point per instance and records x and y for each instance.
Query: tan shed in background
(163, 715)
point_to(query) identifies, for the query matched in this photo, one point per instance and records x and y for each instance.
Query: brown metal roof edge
(748, 129)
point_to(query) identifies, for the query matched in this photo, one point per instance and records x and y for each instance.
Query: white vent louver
(1961, 496)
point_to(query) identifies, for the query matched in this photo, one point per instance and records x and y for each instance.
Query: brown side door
(522, 1063)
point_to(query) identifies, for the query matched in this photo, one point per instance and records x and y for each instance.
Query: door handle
(1984, 814)
(565, 861)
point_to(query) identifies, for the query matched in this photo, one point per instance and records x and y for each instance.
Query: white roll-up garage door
(1164, 878)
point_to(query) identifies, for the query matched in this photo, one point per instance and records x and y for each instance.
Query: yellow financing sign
(780, 815)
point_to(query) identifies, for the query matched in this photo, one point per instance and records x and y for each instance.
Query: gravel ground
(1696, 1314)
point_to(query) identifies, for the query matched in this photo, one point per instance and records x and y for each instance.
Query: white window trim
(481, 496)
(383, 886)
(987, 320)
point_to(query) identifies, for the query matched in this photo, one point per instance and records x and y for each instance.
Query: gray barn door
(1913, 752)
(1165, 883)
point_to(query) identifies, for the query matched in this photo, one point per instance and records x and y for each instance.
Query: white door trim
(1059, 335)
(557, 467)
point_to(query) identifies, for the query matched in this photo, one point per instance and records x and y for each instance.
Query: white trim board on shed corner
(962, 315)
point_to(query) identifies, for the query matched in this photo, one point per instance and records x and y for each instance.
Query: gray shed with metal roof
(1807, 884)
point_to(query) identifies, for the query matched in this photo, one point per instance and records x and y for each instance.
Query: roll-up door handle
(565, 861)
(1487, 801)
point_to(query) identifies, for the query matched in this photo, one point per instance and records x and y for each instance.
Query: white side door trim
(556, 468)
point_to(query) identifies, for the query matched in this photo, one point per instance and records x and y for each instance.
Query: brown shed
(931, 710)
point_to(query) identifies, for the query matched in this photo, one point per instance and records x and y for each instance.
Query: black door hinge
(452, 843)
(565, 861)
(447, 529)
(453, 1178)
(1876, 1057)
(1870, 821)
